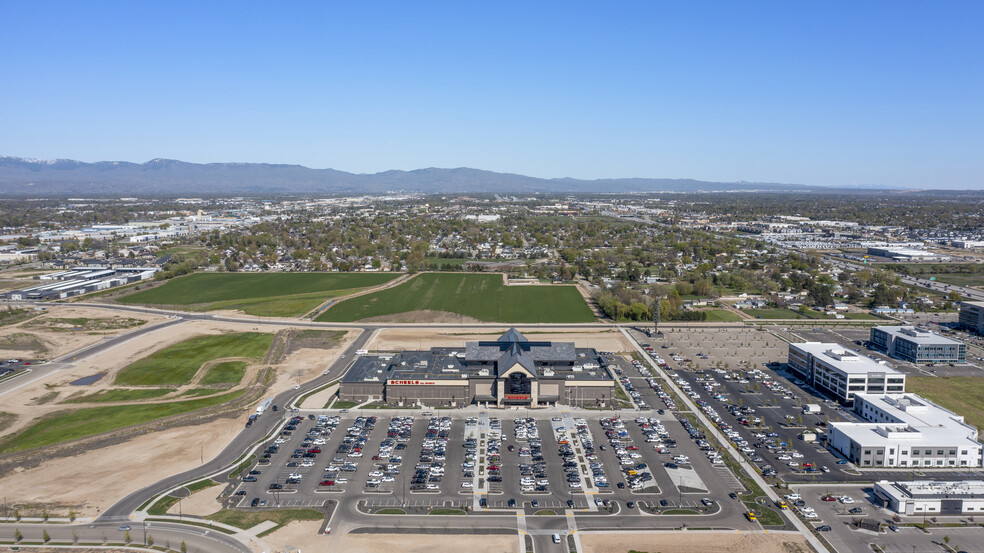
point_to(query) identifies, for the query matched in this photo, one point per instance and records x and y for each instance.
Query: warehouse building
(509, 371)
(972, 316)
(905, 430)
(80, 280)
(931, 497)
(917, 345)
(841, 373)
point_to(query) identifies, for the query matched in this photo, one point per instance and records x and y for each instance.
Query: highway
(936, 286)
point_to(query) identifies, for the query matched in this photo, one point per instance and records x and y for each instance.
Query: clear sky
(826, 93)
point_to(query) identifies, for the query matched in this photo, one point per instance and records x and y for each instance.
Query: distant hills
(168, 177)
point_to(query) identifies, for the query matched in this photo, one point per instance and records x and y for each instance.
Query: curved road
(197, 538)
(245, 441)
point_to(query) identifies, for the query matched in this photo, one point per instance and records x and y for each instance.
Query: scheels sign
(412, 382)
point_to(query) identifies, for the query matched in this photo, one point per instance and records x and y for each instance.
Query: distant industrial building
(917, 345)
(972, 316)
(932, 497)
(81, 280)
(841, 373)
(509, 371)
(907, 254)
(905, 430)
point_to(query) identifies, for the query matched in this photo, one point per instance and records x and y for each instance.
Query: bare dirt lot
(398, 339)
(49, 329)
(304, 535)
(95, 479)
(694, 542)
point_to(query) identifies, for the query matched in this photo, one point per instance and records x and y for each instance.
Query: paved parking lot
(483, 462)
(904, 539)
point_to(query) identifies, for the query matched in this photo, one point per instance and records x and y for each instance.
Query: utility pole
(656, 316)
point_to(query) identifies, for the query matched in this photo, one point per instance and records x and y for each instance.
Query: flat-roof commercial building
(905, 430)
(841, 373)
(931, 497)
(907, 254)
(509, 371)
(917, 345)
(972, 316)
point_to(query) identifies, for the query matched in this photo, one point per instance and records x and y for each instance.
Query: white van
(556, 538)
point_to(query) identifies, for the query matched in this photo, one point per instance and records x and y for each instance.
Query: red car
(829, 498)
(327, 483)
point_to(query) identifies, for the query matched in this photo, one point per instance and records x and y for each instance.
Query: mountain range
(168, 177)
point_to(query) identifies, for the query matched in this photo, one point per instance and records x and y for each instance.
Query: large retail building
(508, 371)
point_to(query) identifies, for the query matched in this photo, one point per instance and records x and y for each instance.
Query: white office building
(930, 497)
(905, 430)
(842, 373)
(917, 345)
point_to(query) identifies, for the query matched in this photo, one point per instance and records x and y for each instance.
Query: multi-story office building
(972, 316)
(841, 373)
(905, 430)
(917, 345)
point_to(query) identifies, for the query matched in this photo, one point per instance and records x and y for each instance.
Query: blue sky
(826, 93)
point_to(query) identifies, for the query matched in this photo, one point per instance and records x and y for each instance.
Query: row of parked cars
(532, 465)
(664, 396)
(429, 471)
(565, 448)
(389, 457)
(636, 472)
(587, 442)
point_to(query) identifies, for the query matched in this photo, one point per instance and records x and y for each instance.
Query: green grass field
(722, 316)
(775, 313)
(249, 519)
(230, 372)
(262, 294)
(862, 317)
(177, 364)
(80, 423)
(963, 395)
(482, 297)
(109, 396)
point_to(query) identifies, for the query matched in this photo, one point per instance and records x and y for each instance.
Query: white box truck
(811, 409)
(264, 405)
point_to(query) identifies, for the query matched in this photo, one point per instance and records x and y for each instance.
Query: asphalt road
(40, 372)
(198, 539)
(934, 285)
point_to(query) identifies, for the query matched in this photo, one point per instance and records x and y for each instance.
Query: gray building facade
(917, 345)
(509, 371)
